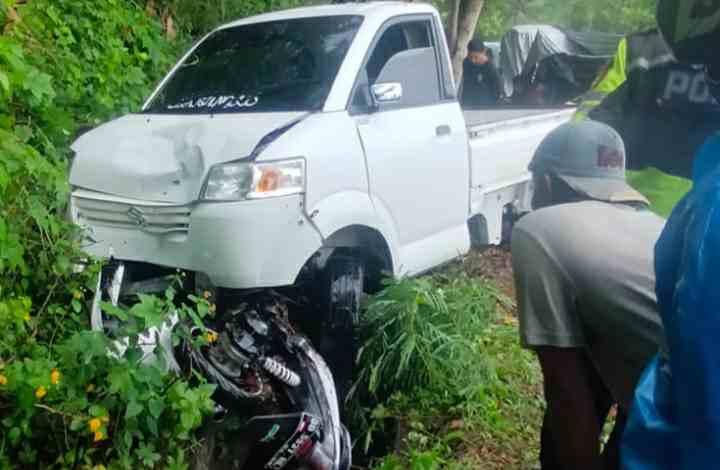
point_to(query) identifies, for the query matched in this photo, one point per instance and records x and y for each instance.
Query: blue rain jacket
(675, 420)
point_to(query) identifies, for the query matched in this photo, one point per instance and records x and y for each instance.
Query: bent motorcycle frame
(331, 441)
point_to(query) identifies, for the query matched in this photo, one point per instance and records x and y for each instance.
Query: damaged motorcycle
(267, 373)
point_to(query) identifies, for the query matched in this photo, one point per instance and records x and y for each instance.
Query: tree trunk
(452, 26)
(469, 14)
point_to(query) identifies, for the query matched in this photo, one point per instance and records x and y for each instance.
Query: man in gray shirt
(585, 283)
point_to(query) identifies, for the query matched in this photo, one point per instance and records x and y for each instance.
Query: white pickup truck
(323, 144)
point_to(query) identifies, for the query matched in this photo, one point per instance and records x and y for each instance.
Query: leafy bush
(64, 402)
(99, 58)
(195, 18)
(73, 403)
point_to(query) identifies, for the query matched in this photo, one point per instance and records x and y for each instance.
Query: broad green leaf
(113, 310)
(77, 424)
(156, 407)
(133, 409)
(4, 82)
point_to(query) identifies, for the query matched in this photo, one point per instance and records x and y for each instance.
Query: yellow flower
(99, 436)
(40, 393)
(77, 295)
(3, 380)
(99, 467)
(94, 425)
(55, 377)
(211, 336)
(90, 388)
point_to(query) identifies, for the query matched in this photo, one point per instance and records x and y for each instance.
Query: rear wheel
(337, 299)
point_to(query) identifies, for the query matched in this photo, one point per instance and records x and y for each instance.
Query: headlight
(236, 181)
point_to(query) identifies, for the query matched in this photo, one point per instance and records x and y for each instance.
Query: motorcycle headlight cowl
(237, 181)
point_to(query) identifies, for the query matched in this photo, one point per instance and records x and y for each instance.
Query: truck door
(415, 141)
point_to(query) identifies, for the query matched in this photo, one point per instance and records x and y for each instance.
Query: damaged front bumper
(238, 245)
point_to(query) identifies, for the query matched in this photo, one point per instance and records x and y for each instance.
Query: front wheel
(338, 296)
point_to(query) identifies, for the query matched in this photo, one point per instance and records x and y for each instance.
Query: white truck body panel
(421, 180)
(500, 153)
(414, 175)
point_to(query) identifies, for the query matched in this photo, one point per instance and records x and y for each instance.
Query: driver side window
(405, 54)
(397, 38)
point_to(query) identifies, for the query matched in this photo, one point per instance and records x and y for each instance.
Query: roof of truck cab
(374, 10)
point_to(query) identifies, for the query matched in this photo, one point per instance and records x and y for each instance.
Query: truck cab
(281, 135)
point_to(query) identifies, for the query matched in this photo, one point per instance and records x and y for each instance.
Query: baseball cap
(590, 157)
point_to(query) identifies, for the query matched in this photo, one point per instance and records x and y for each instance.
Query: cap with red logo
(590, 157)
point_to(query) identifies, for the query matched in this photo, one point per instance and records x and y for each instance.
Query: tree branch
(452, 27)
(470, 13)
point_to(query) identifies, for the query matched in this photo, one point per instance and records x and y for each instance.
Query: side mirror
(390, 92)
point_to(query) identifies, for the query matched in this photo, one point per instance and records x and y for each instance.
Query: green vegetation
(444, 381)
(64, 403)
(613, 16)
(422, 336)
(198, 17)
(662, 190)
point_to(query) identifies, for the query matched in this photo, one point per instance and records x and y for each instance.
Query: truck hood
(165, 158)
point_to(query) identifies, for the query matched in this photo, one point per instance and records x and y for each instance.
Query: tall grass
(442, 378)
(425, 334)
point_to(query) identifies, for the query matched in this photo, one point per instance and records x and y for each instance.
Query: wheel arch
(353, 221)
(365, 240)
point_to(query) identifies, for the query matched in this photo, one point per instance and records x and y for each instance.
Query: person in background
(583, 268)
(481, 82)
(675, 418)
(663, 110)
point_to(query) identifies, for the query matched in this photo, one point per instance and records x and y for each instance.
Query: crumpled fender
(354, 208)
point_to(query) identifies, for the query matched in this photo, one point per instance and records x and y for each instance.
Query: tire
(338, 295)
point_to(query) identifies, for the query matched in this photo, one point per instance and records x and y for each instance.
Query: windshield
(275, 66)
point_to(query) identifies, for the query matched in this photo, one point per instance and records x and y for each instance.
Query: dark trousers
(611, 452)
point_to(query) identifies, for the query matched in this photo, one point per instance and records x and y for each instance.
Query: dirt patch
(493, 264)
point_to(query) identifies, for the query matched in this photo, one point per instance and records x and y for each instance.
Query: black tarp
(563, 62)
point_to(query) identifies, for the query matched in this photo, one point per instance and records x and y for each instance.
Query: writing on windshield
(285, 65)
(217, 102)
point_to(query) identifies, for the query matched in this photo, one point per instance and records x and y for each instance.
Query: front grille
(152, 218)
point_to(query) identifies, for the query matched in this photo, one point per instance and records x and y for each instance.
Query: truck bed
(502, 143)
(479, 117)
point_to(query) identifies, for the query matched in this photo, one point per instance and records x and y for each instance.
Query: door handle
(443, 130)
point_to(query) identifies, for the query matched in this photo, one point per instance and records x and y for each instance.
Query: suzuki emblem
(137, 217)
